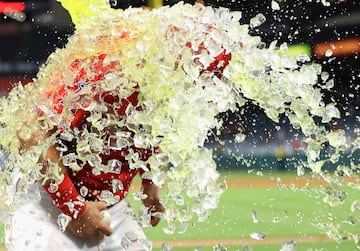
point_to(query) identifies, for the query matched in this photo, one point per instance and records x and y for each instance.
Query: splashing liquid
(188, 64)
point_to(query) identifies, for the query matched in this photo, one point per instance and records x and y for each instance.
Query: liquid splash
(167, 55)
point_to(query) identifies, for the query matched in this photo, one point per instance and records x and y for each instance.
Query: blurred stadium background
(328, 31)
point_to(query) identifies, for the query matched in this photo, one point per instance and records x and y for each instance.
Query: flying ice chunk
(109, 197)
(258, 235)
(69, 159)
(139, 195)
(179, 199)
(170, 229)
(236, 15)
(67, 136)
(53, 187)
(300, 170)
(325, 3)
(165, 247)
(63, 221)
(258, 20)
(141, 46)
(275, 5)
(303, 58)
(324, 76)
(131, 236)
(219, 247)
(113, 166)
(143, 216)
(183, 227)
(289, 61)
(118, 141)
(355, 206)
(332, 111)
(94, 160)
(329, 84)
(117, 185)
(125, 243)
(337, 138)
(288, 246)
(240, 137)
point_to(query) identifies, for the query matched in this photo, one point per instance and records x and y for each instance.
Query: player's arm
(153, 194)
(85, 216)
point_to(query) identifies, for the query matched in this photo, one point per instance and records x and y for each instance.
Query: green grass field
(283, 214)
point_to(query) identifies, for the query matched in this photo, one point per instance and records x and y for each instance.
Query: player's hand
(89, 224)
(152, 201)
(156, 207)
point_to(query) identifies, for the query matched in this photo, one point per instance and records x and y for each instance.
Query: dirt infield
(233, 242)
(283, 182)
(241, 241)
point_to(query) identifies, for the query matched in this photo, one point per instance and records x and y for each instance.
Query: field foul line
(242, 241)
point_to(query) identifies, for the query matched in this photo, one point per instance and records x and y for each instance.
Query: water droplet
(84, 191)
(247, 248)
(254, 217)
(328, 53)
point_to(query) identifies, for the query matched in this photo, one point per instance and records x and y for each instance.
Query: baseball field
(262, 212)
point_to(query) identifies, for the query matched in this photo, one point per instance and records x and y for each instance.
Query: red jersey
(85, 183)
(78, 186)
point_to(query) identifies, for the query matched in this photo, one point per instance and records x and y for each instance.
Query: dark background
(25, 45)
